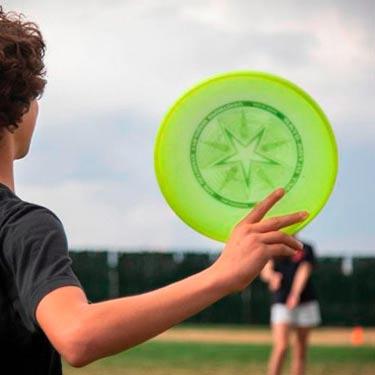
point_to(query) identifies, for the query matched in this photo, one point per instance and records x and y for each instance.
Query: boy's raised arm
(84, 332)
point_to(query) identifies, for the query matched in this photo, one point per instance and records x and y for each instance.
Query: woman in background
(294, 307)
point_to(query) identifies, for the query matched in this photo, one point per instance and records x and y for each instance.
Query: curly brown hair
(22, 69)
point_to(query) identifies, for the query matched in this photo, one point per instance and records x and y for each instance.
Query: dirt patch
(320, 336)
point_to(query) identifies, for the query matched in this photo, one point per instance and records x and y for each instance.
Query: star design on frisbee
(245, 148)
(245, 155)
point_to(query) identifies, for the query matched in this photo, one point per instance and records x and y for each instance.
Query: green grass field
(185, 358)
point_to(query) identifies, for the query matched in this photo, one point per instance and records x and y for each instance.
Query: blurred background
(115, 68)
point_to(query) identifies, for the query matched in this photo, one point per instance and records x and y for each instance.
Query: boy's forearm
(116, 325)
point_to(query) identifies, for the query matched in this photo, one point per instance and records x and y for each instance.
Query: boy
(44, 312)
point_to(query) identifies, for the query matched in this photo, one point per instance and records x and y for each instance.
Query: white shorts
(304, 315)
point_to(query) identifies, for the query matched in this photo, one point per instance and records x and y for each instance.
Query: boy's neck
(6, 165)
(7, 178)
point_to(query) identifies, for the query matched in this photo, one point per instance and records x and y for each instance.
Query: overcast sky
(114, 69)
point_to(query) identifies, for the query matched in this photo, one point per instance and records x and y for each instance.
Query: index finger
(260, 210)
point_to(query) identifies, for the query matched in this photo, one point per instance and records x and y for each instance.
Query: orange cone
(357, 336)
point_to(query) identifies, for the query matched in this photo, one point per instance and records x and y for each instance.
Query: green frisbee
(234, 138)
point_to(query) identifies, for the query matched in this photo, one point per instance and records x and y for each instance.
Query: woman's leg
(300, 350)
(280, 335)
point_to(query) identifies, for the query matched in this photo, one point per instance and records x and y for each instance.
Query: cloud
(140, 56)
(110, 147)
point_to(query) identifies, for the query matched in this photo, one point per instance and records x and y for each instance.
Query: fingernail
(304, 215)
(300, 244)
(280, 192)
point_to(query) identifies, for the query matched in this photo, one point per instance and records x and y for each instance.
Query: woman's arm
(267, 272)
(271, 277)
(300, 279)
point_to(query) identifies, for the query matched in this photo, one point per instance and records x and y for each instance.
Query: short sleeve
(36, 251)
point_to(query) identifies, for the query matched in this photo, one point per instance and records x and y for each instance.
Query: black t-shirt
(33, 262)
(287, 266)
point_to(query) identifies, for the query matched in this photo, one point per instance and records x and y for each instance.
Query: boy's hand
(253, 242)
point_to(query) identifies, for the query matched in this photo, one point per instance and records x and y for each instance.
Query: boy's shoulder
(18, 215)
